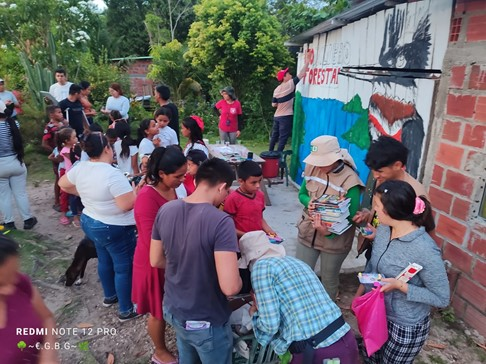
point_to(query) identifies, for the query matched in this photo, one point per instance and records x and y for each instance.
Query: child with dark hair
(247, 203)
(401, 239)
(167, 135)
(196, 245)
(166, 169)
(115, 116)
(162, 97)
(195, 158)
(49, 143)
(125, 149)
(192, 129)
(147, 136)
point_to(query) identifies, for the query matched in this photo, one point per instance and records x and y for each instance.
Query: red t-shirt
(189, 184)
(50, 131)
(247, 212)
(229, 113)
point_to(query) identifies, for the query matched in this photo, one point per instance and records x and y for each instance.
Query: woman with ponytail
(192, 129)
(165, 172)
(125, 149)
(401, 239)
(13, 173)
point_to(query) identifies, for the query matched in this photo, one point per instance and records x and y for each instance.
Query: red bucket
(271, 165)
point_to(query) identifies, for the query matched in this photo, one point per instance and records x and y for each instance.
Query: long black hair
(17, 141)
(144, 125)
(399, 199)
(195, 130)
(94, 143)
(122, 130)
(8, 248)
(167, 160)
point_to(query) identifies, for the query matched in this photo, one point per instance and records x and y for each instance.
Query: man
(387, 158)
(196, 244)
(291, 309)
(283, 100)
(162, 96)
(60, 89)
(8, 97)
(72, 110)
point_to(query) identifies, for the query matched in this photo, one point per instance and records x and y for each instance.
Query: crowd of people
(174, 242)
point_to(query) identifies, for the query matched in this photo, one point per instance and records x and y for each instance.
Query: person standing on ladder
(283, 100)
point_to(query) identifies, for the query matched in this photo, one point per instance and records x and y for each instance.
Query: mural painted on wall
(385, 65)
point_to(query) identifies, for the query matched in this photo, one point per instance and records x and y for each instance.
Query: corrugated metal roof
(364, 9)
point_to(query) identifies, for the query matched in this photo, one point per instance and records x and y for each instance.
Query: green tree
(125, 24)
(236, 42)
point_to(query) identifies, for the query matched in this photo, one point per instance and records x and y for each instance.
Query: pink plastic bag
(371, 316)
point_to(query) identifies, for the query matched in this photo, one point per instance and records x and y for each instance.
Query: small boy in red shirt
(247, 203)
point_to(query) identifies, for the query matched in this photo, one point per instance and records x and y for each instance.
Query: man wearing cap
(283, 100)
(8, 97)
(291, 310)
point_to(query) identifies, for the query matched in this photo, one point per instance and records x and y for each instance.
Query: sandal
(76, 224)
(64, 220)
(154, 360)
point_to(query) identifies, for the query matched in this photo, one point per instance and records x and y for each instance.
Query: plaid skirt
(403, 344)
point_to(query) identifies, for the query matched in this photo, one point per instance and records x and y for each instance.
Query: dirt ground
(92, 331)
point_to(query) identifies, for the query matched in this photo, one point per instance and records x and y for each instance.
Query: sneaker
(9, 226)
(108, 302)
(30, 223)
(131, 315)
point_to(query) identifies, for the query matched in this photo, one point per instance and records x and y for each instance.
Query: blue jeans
(115, 246)
(209, 346)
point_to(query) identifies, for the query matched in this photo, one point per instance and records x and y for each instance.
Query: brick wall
(137, 72)
(456, 162)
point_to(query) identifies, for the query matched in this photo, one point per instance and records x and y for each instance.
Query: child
(167, 135)
(195, 158)
(125, 149)
(66, 139)
(147, 140)
(247, 203)
(192, 129)
(56, 121)
(115, 117)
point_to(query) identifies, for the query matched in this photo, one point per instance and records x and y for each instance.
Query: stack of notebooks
(334, 212)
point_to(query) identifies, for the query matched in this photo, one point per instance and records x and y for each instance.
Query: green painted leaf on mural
(354, 106)
(359, 134)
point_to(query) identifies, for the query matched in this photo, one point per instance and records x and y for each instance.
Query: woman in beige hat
(329, 170)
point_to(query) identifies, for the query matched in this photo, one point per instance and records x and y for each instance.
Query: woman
(192, 129)
(87, 106)
(329, 170)
(401, 239)
(291, 306)
(116, 101)
(107, 219)
(13, 173)
(166, 170)
(125, 149)
(21, 306)
(230, 116)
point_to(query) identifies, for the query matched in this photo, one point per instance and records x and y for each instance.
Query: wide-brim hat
(230, 91)
(325, 151)
(255, 245)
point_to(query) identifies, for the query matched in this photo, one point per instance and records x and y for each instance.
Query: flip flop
(76, 224)
(64, 220)
(157, 361)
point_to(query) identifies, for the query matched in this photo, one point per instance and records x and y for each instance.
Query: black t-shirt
(174, 120)
(73, 112)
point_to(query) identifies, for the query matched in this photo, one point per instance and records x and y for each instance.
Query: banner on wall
(373, 77)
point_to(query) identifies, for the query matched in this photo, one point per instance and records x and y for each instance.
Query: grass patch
(39, 168)
(436, 359)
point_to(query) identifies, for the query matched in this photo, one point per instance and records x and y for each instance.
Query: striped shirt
(283, 96)
(292, 304)
(6, 140)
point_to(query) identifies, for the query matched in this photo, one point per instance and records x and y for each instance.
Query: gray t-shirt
(191, 233)
(430, 287)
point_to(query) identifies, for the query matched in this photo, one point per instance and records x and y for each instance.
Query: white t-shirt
(196, 146)
(125, 164)
(146, 146)
(98, 184)
(167, 136)
(120, 103)
(60, 92)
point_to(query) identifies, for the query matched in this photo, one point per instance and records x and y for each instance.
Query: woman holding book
(325, 229)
